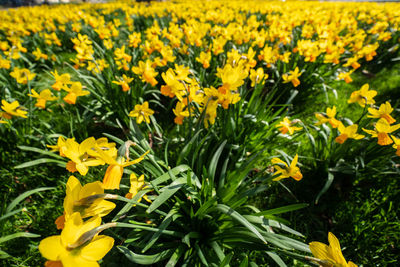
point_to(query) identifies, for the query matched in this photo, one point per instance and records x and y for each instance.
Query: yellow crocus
(382, 129)
(286, 171)
(63, 247)
(331, 255)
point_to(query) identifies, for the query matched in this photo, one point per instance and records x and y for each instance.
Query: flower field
(204, 133)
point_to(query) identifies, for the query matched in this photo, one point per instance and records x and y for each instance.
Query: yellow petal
(97, 248)
(51, 248)
(91, 189)
(319, 250)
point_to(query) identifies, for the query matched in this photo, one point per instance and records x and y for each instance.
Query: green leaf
(226, 260)
(326, 186)
(214, 161)
(40, 161)
(235, 215)
(168, 191)
(276, 258)
(175, 257)
(17, 235)
(40, 151)
(21, 197)
(282, 209)
(4, 255)
(145, 259)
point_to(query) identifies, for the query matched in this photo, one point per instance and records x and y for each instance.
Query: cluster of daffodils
(80, 243)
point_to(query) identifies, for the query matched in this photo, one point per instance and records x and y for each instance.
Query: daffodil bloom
(78, 154)
(181, 111)
(347, 132)
(74, 92)
(76, 200)
(256, 76)
(137, 184)
(124, 82)
(346, 76)
(114, 172)
(232, 77)
(285, 126)
(329, 117)
(63, 247)
(61, 80)
(396, 145)
(42, 98)
(382, 128)
(12, 109)
(38, 54)
(142, 113)
(204, 58)
(286, 171)
(383, 112)
(22, 75)
(146, 71)
(363, 96)
(59, 147)
(292, 77)
(330, 255)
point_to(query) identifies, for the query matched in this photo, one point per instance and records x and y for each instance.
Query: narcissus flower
(256, 76)
(64, 247)
(73, 92)
(382, 128)
(286, 171)
(77, 200)
(137, 184)
(42, 98)
(22, 75)
(383, 112)
(363, 96)
(12, 109)
(348, 132)
(285, 126)
(331, 255)
(292, 77)
(396, 145)
(142, 113)
(124, 82)
(329, 117)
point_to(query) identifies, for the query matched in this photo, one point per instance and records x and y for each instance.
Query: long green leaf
(168, 191)
(276, 258)
(40, 161)
(21, 197)
(145, 259)
(17, 235)
(282, 209)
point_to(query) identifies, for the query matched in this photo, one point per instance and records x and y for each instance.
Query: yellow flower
(142, 113)
(396, 145)
(286, 171)
(137, 184)
(383, 112)
(292, 77)
(330, 255)
(286, 126)
(22, 75)
(363, 96)
(382, 128)
(146, 71)
(61, 80)
(124, 82)
(62, 247)
(347, 132)
(256, 76)
(12, 109)
(44, 96)
(75, 201)
(329, 117)
(74, 92)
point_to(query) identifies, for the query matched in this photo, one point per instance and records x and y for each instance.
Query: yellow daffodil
(329, 117)
(76, 200)
(61, 80)
(22, 75)
(73, 92)
(204, 59)
(347, 132)
(124, 82)
(382, 129)
(292, 77)
(63, 247)
(285, 126)
(42, 98)
(383, 112)
(142, 113)
(12, 109)
(286, 171)
(181, 111)
(331, 255)
(396, 145)
(137, 184)
(59, 147)
(363, 96)
(256, 76)
(146, 71)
